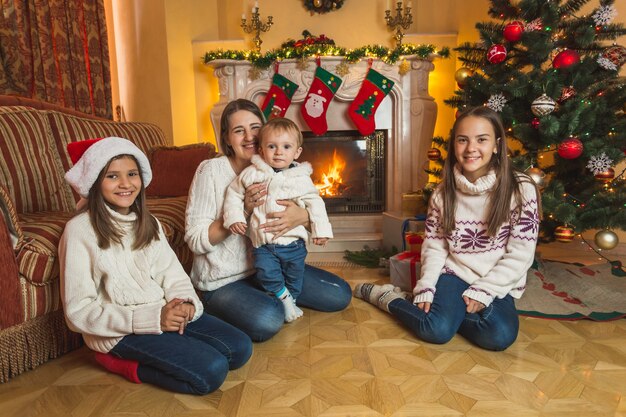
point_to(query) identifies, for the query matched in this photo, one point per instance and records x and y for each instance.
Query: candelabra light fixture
(256, 26)
(402, 20)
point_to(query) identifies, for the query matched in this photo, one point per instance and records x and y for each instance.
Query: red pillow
(173, 168)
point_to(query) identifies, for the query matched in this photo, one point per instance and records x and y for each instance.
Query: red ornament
(564, 234)
(605, 176)
(570, 148)
(566, 59)
(434, 154)
(535, 123)
(496, 54)
(513, 31)
(566, 94)
(616, 54)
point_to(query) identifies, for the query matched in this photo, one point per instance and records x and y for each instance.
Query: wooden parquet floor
(360, 362)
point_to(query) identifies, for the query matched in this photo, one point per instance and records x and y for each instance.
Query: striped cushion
(66, 128)
(30, 167)
(171, 214)
(39, 300)
(37, 258)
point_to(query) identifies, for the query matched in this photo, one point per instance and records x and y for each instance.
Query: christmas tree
(553, 74)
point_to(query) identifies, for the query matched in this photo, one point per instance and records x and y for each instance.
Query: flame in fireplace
(331, 183)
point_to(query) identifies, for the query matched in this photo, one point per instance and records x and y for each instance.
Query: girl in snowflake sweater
(481, 233)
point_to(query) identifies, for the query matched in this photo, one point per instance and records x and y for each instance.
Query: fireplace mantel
(408, 112)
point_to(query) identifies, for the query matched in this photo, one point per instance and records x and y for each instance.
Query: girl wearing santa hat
(124, 289)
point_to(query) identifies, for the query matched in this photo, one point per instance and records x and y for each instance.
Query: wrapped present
(404, 269)
(413, 241)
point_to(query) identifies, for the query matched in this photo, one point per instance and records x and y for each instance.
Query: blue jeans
(279, 266)
(245, 304)
(195, 362)
(493, 328)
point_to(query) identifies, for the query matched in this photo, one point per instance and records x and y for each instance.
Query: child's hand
(320, 241)
(473, 306)
(425, 307)
(172, 317)
(238, 228)
(189, 310)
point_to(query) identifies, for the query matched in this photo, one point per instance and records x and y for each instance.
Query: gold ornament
(342, 69)
(302, 63)
(317, 3)
(537, 175)
(564, 234)
(606, 239)
(404, 67)
(461, 75)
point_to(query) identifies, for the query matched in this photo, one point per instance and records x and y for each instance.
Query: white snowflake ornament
(604, 15)
(496, 102)
(599, 163)
(606, 63)
(534, 25)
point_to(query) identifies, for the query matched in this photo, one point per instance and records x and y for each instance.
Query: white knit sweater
(230, 260)
(493, 266)
(108, 294)
(293, 184)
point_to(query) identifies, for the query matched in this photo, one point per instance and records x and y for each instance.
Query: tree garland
(322, 6)
(387, 55)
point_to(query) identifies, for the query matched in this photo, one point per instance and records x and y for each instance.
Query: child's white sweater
(493, 266)
(108, 294)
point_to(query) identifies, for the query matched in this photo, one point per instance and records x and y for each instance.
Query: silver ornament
(537, 175)
(606, 239)
(543, 105)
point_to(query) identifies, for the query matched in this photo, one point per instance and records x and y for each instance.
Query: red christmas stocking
(278, 97)
(323, 88)
(374, 89)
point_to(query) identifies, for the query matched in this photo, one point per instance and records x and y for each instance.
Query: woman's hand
(281, 222)
(254, 196)
(473, 306)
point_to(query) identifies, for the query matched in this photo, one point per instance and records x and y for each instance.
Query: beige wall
(158, 45)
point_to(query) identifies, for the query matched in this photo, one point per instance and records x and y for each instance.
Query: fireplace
(405, 122)
(348, 170)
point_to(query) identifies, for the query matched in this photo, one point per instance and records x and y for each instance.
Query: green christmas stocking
(374, 89)
(278, 97)
(323, 88)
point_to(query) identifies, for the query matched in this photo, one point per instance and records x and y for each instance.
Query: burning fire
(331, 183)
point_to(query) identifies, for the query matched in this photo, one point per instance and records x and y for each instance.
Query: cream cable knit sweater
(230, 260)
(493, 266)
(108, 294)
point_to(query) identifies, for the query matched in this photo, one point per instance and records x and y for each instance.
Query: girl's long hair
(508, 178)
(146, 226)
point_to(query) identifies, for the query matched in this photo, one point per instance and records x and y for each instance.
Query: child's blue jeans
(195, 362)
(279, 266)
(494, 328)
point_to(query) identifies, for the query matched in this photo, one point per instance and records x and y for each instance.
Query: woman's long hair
(508, 179)
(146, 226)
(233, 107)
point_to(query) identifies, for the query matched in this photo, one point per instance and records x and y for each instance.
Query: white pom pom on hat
(91, 156)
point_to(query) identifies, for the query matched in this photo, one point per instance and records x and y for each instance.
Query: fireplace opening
(348, 169)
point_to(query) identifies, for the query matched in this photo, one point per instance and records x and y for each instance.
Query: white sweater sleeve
(234, 203)
(84, 311)
(519, 254)
(320, 224)
(170, 275)
(434, 252)
(202, 209)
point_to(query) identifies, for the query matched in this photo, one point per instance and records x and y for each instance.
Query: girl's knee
(438, 335)
(500, 340)
(241, 353)
(211, 376)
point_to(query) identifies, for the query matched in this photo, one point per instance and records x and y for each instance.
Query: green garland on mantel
(389, 56)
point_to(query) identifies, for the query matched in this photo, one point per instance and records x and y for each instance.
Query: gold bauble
(606, 239)
(461, 75)
(404, 67)
(317, 3)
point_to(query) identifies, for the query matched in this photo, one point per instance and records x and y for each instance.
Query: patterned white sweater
(108, 294)
(493, 266)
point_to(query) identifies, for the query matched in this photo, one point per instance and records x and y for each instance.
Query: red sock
(123, 367)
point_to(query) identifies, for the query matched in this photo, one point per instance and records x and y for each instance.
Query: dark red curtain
(56, 51)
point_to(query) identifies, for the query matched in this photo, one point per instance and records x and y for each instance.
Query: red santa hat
(91, 156)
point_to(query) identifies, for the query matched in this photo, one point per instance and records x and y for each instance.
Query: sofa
(36, 202)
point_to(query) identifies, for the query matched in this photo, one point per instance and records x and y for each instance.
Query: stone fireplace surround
(408, 113)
